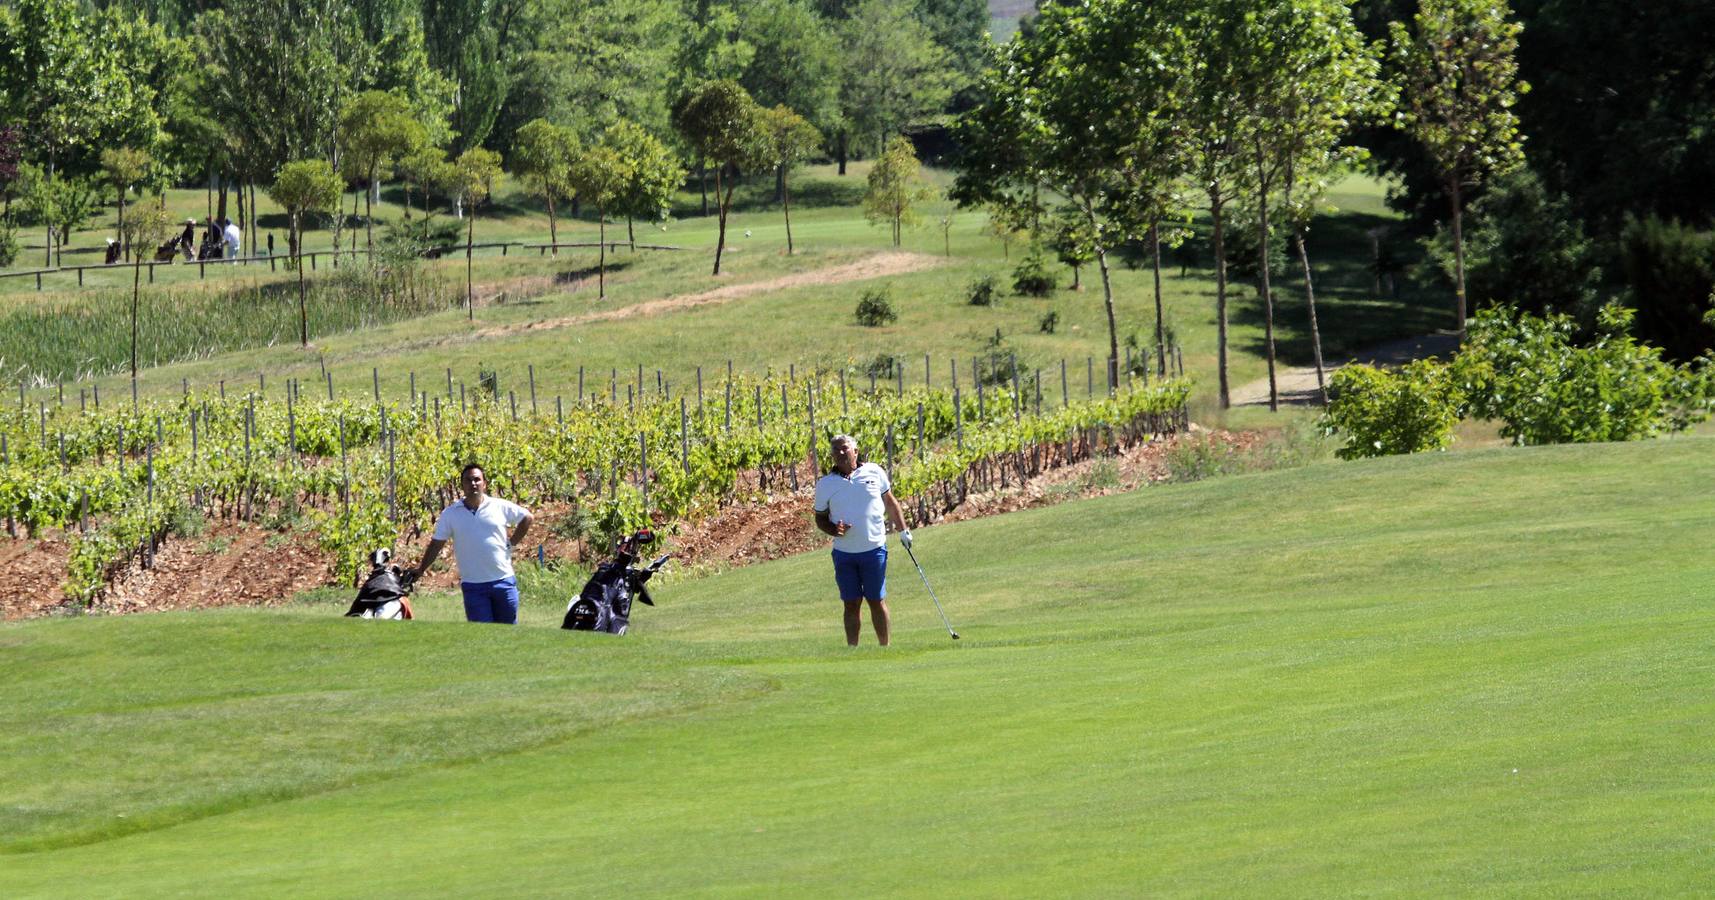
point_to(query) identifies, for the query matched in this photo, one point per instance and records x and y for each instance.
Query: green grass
(1473, 674)
(811, 325)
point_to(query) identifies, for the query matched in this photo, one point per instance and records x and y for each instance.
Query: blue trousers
(491, 601)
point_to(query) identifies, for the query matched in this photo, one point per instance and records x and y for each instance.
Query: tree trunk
(1215, 203)
(303, 303)
(124, 242)
(255, 227)
(1160, 324)
(723, 201)
(703, 181)
(601, 254)
(631, 234)
(1108, 303)
(220, 207)
(1315, 332)
(1262, 269)
(1458, 255)
(553, 227)
(243, 219)
(786, 208)
(368, 216)
(840, 151)
(48, 241)
(136, 291)
(1077, 277)
(469, 284)
(780, 184)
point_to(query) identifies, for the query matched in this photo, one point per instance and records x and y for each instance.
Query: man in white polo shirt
(850, 502)
(479, 527)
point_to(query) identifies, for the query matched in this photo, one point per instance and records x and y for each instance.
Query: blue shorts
(861, 576)
(491, 601)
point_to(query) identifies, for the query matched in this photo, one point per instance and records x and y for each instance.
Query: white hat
(190, 221)
(110, 240)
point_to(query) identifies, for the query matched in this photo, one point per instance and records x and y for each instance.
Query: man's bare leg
(854, 622)
(877, 614)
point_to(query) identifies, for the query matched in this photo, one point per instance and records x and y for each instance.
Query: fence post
(1090, 376)
(684, 439)
(699, 392)
(344, 472)
(532, 389)
(919, 431)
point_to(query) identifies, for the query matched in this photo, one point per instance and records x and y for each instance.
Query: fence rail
(273, 260)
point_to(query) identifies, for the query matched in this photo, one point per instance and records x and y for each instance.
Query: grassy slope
(812, 325)
(1481, 673)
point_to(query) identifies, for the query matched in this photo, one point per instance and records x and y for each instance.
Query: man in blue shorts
(483, 530)
(850, 502)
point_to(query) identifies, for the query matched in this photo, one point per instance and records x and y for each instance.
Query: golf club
(937, 600)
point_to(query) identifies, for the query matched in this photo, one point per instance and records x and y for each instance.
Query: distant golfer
(849, 504)
(483, 530)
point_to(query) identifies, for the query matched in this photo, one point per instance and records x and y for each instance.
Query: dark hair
(469, 466)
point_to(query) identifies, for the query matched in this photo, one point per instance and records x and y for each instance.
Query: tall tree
(475, 173)
(1458, 80)
(896, 188)
(472, 41)
(894, 73)
(600, 175)
(124, 167)
(790, 140)
(656, 175)
(1091, 105)
(795, 61)
(304, 187)
(148, 227)
(542, 155)
(376, 128)
(719, 120)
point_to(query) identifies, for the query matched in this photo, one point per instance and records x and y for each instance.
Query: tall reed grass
(90, 334)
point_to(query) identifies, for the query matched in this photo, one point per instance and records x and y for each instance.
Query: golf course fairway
(1450, 674)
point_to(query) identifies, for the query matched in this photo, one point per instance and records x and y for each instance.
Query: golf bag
(605, 602)
(385, 593)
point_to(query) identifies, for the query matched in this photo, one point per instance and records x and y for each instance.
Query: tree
(475, 174)
(375, 129)
(656, 175)
(1091, 105)
(149, 227)
(472, 41)
(895, 188)
(719, 120)
(795, 61)
(1458, 80)
(428, 169)
(124, 167)
(1314, 79)
(790, 140)
(600, 176)
(61, 204)
(303, 187)
(894, 73)
(542, 155)
(57, 75)
(1070, 239)
(595, 62)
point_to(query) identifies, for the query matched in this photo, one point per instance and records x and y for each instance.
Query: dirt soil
(237, 564)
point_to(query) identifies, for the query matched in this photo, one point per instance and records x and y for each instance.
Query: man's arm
(828, 525)
(429, 554)
(894, 511)
(522, 529)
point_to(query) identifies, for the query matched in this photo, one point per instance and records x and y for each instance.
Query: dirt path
(1297, 386)
(878, 266)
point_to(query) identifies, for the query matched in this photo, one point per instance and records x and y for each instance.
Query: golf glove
(905, 538)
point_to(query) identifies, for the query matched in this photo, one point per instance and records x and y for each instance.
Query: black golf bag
(605, 602)
(385, 593)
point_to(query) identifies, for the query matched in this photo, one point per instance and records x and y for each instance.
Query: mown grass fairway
(1480, 673)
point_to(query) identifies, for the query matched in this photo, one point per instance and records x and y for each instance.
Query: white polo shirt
(481, 537)
(857, 502)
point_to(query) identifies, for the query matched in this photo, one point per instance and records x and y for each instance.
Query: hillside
(1445, 674)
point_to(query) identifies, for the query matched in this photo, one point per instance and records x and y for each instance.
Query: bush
(882, 366)
(982, 291)
(1526, 372)
(1671, 270)
(1383, 412)
(1033, 278)
(1050, 320)
(876, 308)
(10, 246)
(1524, 248)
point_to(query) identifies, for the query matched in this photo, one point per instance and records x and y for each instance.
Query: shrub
(1671, 269)
(876, 308)
(1382, 412)
(1526, 372)
(881, 366)
(1033, 278)
(1525, 249)
(982, 291)
(1050, 320)
(9, 244)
